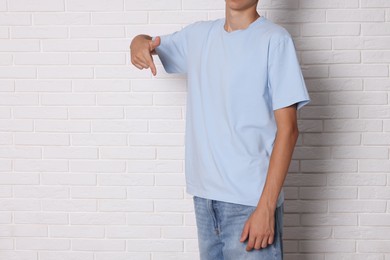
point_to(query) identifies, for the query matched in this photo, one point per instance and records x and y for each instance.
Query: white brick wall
(91, 149)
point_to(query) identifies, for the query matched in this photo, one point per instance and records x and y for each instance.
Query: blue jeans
(220, 225)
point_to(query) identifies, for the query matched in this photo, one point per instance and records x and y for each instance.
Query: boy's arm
(260, 226)
(142, 48)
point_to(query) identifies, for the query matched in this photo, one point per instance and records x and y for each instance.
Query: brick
(71, 45)
(152, 5)
(77, 231)
(65, 255)
(98, 218)
(330, 57)
(38, 5)
(106, 85)
(89, 5)
(95, 112)
(299, 180)
(356, 179)
(372, 219)
(17, 73)
(13, 19)
(354, 256)
(376, 139)
(143, 192)
(374, 3)
(68, 179)
(119, 18)
(97, 59)
(6, 59)
(109, 205)
(170, 180)
(128, 153)
(69, 205)
(361, 43)
(158, 85)
(374, 193)
(323, 193)
(133, 99)
(126, 179)
(334, 85)
(360, 152)
(61, 18)
(358, 98)
(42, 244)
(153, 113)
(65, 72)
(329, 219)
(355, 15)
(376, 56)
(373, 246)
(330, 29)
(155, 219)
(134, 232)
(24, 231)
(19, 45)
(358, 71)
(307, 233)
(39, 32)
(41, 218)
(98, 245)
(345, 165)
(154, 166)
(331, 139)
(167, 126)
(329, 4)
(328, 246)
(62, 126)
(326, 112)
(34, 165)
(304, 206)
(376, 29)
(41, 192)
(296, 16)
(16, 126)
(374, 112)
(96, 31)
(18, 178)
(173, 17)
(97, 166)
(118, 126)
(156, 139)
(121, 255)
(357, 206)
(6, 243)
(202, 5)
(98, 192)
(41, 59)
(147, 245)
(18, 255)
(40, 112)
(372, 165)
(354, 125)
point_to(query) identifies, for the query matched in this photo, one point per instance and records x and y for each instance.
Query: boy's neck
(238, 20)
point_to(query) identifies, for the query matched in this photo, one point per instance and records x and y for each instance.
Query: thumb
(155, 43)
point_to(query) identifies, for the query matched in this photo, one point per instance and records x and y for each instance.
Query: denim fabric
(219, 226)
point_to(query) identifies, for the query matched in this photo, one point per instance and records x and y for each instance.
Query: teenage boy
(245, 86)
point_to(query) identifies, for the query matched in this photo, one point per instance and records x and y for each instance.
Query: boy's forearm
(278, 167)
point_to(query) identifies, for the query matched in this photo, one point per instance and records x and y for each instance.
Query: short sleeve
(285, 79)
(173, 51)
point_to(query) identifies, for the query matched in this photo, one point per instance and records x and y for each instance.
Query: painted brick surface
(92, 149)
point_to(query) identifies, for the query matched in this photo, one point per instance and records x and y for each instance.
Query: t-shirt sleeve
(173, 51)
(285, 79)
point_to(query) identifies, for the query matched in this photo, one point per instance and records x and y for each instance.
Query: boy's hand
(141, 49)
(259, 229)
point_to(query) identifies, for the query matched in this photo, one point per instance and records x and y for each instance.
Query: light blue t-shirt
(235, 81)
